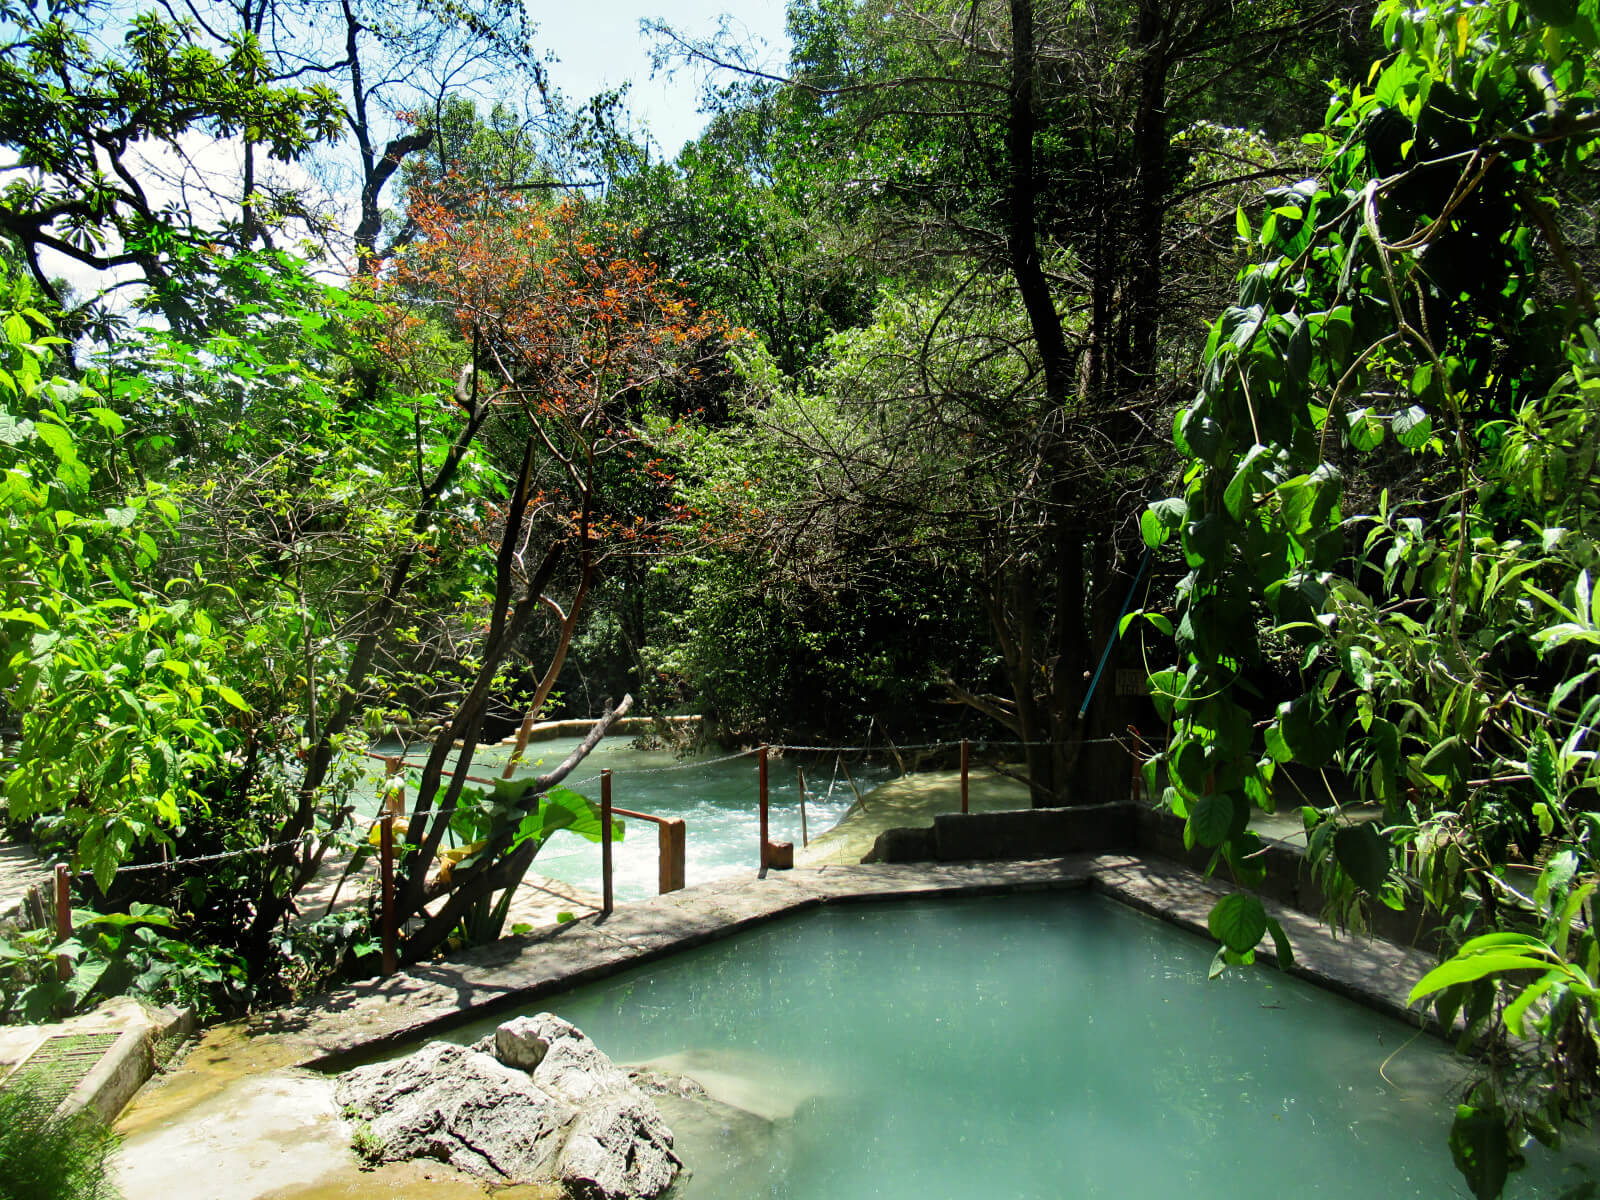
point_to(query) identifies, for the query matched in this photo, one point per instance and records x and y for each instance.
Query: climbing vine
(1388, 521)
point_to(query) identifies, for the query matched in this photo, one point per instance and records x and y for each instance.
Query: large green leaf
(1187, 767)
(1446, 761)
(563, 808)
(1308, 730)
(1503, 941)
(1210, 817)
(1238, 921)
(1240, 324)
(1161, 520)
(1363, 854)
(1468, 968)
(1412, 427)
(1239, 496)
(1360, 666)
(14, 430)
(1197, 434)
(1542, 769)
(1364, 429)
(1516, 1014)
(1165, 688)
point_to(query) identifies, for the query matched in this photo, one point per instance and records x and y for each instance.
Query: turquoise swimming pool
(1054, 1045)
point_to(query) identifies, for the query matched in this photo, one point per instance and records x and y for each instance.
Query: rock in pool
(538, 1102)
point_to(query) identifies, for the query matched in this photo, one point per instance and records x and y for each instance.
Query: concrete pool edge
(339, 1027)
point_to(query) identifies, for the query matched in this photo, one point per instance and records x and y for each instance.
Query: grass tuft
(46, 1157)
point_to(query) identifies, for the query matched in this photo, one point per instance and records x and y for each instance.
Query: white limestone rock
(619, 1147)
(452, 1104)
(536, 1102)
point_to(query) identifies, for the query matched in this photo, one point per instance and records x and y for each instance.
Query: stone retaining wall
(1123, 829)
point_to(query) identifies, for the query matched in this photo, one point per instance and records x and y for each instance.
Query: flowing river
(716, 796)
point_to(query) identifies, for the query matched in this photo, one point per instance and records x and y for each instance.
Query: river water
(715, 795)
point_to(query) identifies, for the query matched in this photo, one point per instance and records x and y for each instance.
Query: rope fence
(671, 831)
(696, 764)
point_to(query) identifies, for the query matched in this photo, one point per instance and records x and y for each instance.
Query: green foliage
(805, 605)
(192, 536)
(114, 954)
(513, 816)
(116, 682)
(741, 219)
(366, 1145)
(70, 109)
(504, 818)
(1481, 1149)
(1368, 509)
(47, 1157)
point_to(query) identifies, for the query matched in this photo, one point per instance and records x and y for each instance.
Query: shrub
(48, 1157)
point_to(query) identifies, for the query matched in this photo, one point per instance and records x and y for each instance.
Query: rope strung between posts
(200, 858)
(781, 747)
(981, 743)
(692, 765)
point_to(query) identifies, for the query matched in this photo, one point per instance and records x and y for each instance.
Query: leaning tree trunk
(501, 867)
(1054, 607)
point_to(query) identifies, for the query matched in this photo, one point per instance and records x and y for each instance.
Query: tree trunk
(1103, 771)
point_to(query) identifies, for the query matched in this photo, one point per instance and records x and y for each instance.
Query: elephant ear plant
(1389, 497)
(510, 823)
(136, 953)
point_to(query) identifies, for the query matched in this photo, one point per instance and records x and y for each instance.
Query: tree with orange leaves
(569, 332)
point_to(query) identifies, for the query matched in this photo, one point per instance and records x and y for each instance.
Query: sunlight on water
(1049, 1046)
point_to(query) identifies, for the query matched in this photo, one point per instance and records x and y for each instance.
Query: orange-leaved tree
(570, 331)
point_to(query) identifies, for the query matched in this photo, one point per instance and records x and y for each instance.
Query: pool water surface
(1045, 1045)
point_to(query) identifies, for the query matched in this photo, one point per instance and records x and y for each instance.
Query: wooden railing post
(672, 838)
(965, 759)
(605, 841)
(386, 879)
(851, 779)
(394, 799)
(63, 919)
(762, 761)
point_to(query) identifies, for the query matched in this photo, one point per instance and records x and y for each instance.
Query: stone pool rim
(339, 1028)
